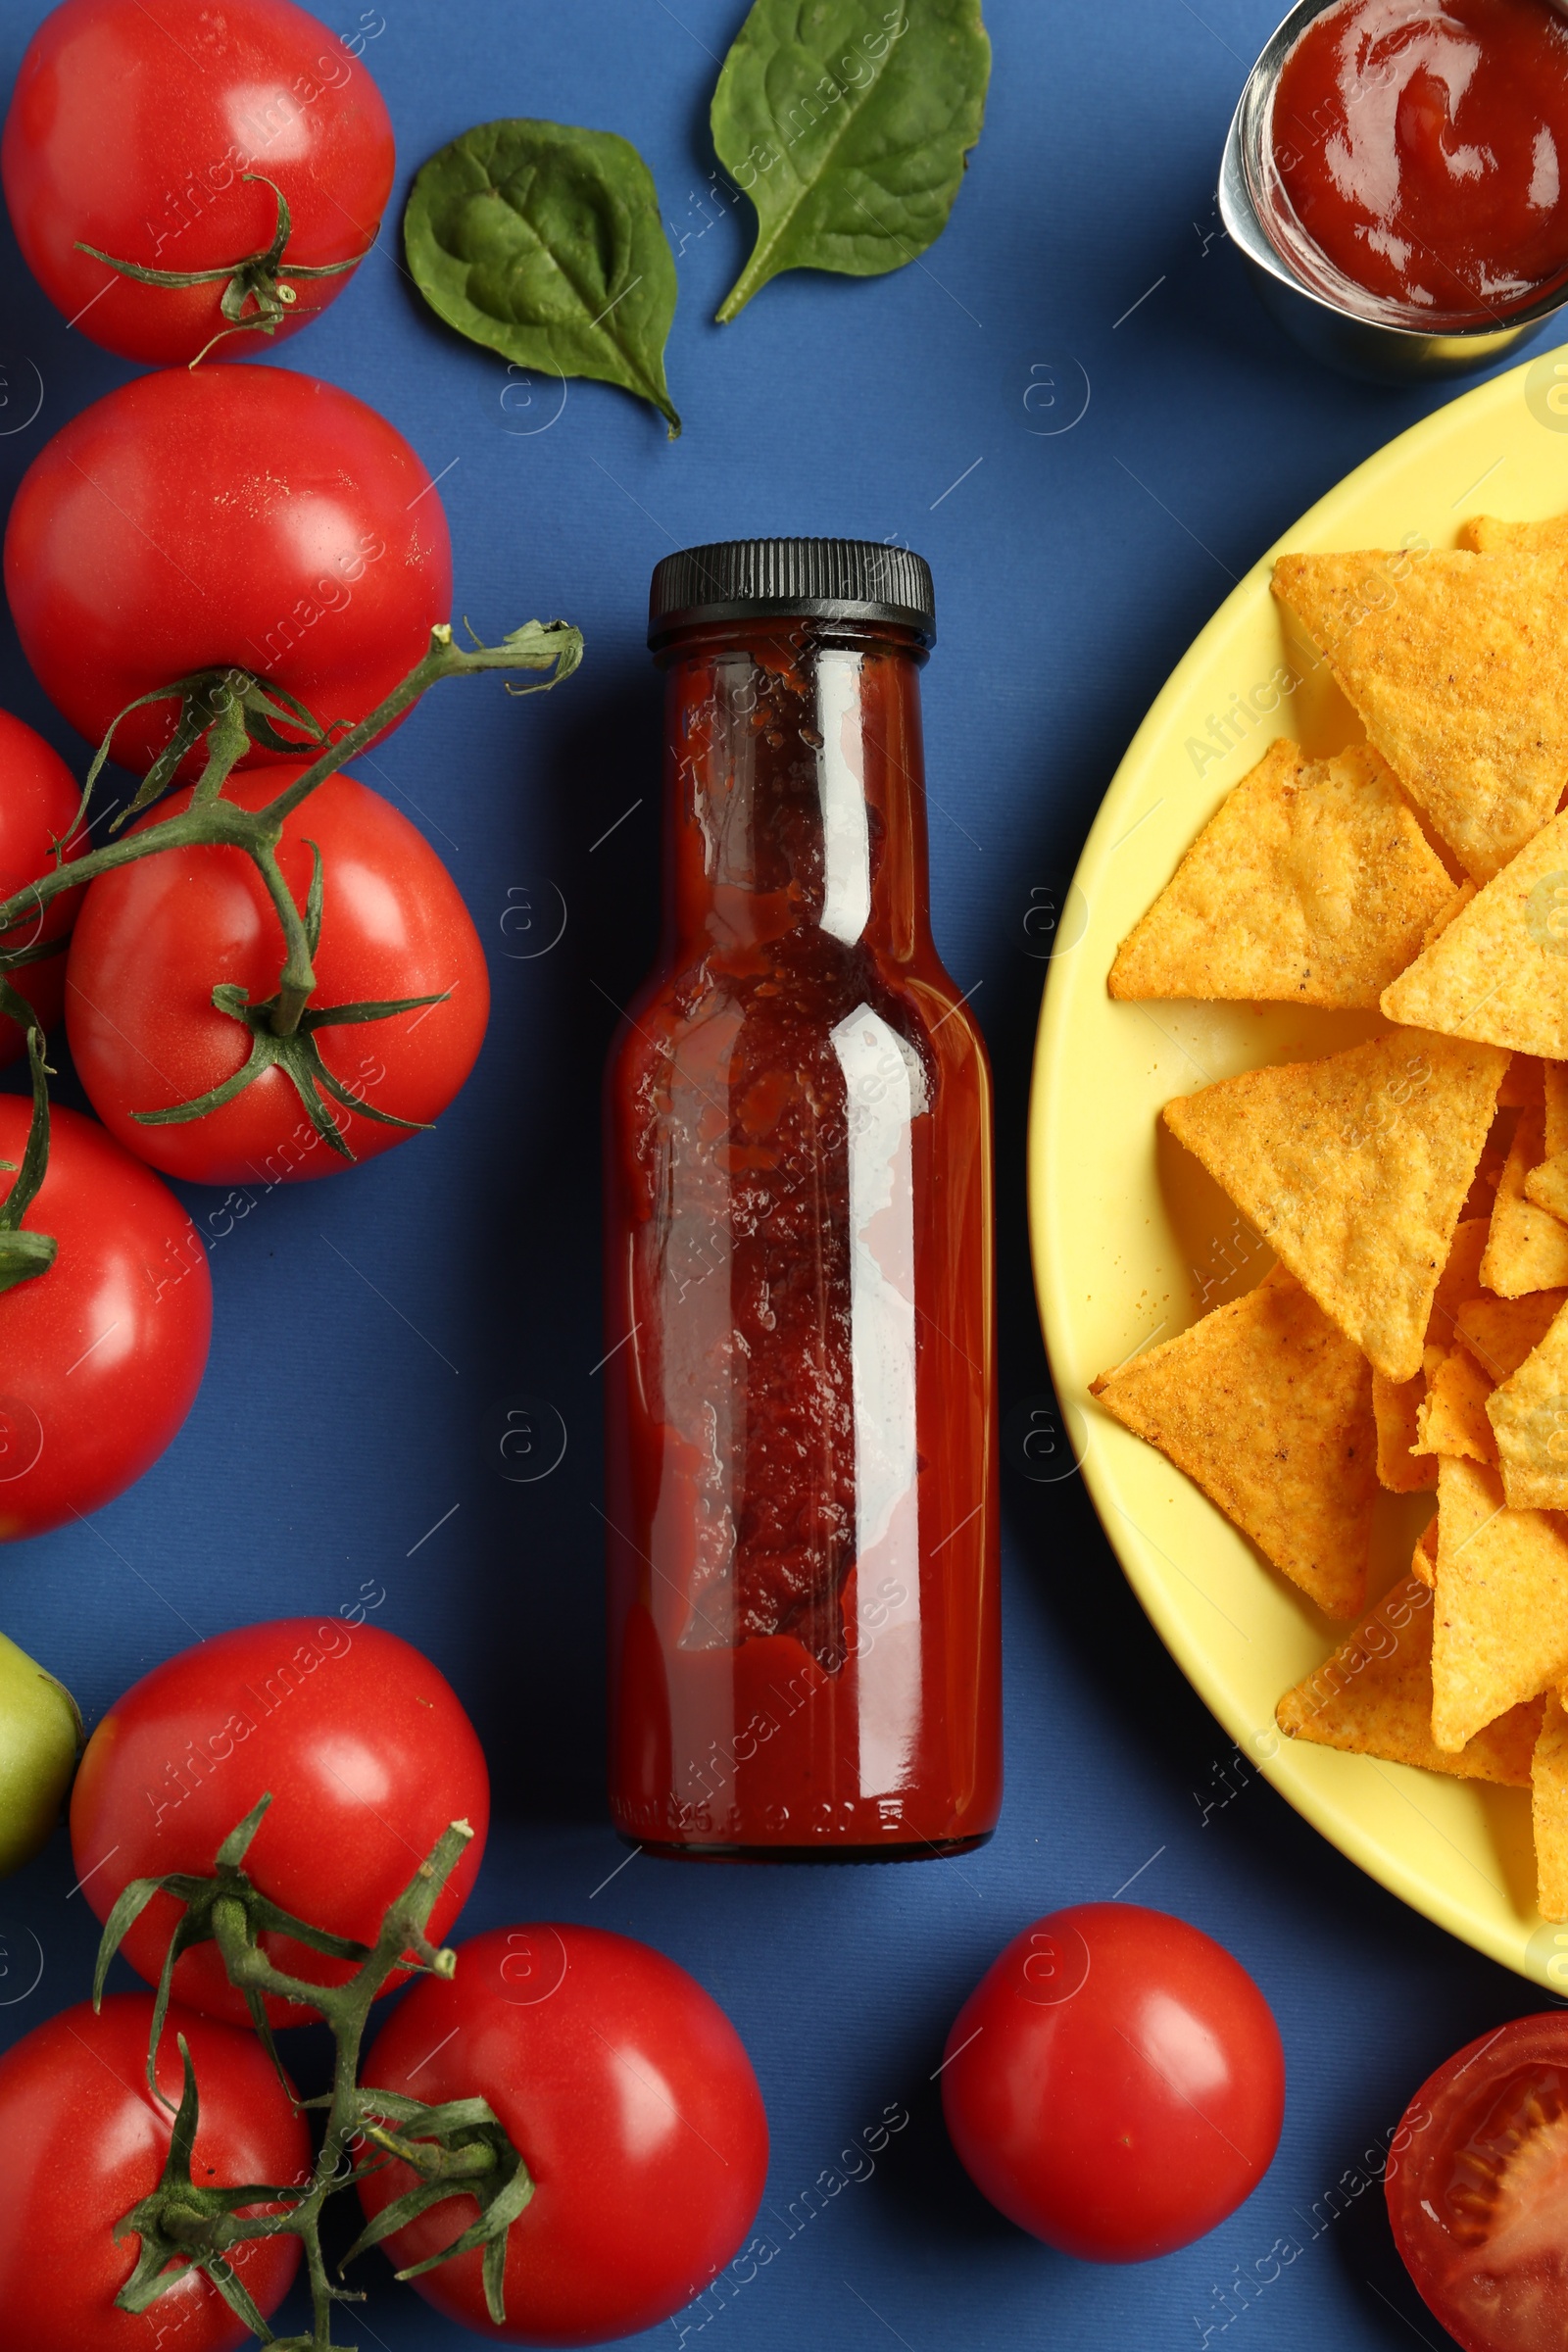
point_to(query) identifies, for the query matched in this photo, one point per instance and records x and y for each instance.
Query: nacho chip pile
(1413, 1333)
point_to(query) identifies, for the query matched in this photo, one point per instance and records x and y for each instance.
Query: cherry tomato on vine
(133, 126)
(368, 1755)
(1115, 2084)
(154, 938)
(227, 516)
(100, 1358)
(38, 797)
(628, 2094)
(1475, 2188)
(84, 2142)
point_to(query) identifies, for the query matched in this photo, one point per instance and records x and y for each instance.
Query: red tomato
(131, 128)
(100, 1357)
(153, 939)
(232, 516)
(38, 797)
(367, 1752)
(1115, 2084)
(1475, 2183)
(84, 2142)
(631, 2100)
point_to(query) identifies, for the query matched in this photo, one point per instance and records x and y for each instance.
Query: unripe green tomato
(40, 1734)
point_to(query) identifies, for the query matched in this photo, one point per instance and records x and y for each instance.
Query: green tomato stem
(297, 979)
(214, 821)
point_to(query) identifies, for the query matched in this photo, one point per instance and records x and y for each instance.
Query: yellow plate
(1132, 1239)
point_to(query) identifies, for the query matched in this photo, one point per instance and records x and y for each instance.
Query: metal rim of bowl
(1240, 214)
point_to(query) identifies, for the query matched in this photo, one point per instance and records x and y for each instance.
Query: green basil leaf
(545, 244)
(849, 123)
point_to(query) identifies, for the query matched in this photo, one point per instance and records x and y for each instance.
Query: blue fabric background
(405, 1302)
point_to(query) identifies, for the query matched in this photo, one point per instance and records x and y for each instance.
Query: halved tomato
(1477, 2186)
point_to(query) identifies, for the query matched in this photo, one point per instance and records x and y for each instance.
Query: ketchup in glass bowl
(1417, 155)
(802, 1473)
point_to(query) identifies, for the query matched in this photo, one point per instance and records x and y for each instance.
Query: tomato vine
(459, 2147)
(230, 709)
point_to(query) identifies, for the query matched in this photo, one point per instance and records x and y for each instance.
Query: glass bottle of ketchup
(803, 1504)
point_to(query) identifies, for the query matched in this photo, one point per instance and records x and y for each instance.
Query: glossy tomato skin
(1116, 2083)
(154, 938)
(38, 797)
(131, 127)
(100, 1358)
(364, 1749)
(633, 2103)
(226, 514)
(84, 2142)
(1475, 2186)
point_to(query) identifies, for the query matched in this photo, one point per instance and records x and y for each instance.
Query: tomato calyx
(259, 277)
(472, 2157)
(299, 1058)
(23, 1253)
(460, 2147)
(295, 1051)
(188, 2226)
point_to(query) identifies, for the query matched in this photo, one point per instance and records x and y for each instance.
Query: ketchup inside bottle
(1422, 145)
(801, 1475)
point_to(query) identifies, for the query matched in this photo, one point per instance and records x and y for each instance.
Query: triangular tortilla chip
(1395, 1408)
(1548, 1185)
(1549, 1809)
(1355, 1171)
(1501, 1333)
(1374, 1698)
(1528, 1412)
(1486, 535)
(1311, 884)
(1457, 666)
(1527, 1249)
(1269, 1410)
(1499, 971)
(1453, 1418)
(1501, 1619)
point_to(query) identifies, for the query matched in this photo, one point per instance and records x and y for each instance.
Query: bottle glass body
(802, 1508)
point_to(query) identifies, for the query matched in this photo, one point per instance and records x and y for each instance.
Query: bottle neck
(795, 788)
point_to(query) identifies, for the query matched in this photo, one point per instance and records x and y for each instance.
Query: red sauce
(1422, 147)
(801, 1475)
